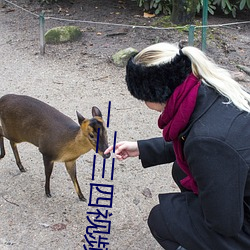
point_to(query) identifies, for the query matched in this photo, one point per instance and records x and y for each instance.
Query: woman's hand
(124, 150)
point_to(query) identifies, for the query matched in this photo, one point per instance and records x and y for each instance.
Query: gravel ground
(77, 76)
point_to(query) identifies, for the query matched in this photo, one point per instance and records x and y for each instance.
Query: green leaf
(223, 4)
(146, 6)
(217, 2)
(234, 12)
(248, 4)
(211, 11)
(198, 7)
(229, 5)
(151, 4)
(242, 4)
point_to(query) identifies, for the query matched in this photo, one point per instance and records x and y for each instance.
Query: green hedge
(227, 6)
(165, 6)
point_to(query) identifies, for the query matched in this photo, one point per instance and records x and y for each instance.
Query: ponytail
(201, 66)
(218, 78)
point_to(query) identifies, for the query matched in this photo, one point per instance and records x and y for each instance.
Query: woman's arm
(151, 151)
(155, 151)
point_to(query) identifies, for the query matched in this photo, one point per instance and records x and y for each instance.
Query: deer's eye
(91, 136)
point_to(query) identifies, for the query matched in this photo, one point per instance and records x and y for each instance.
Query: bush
(156, 6)
(227, 6)
(232, 6)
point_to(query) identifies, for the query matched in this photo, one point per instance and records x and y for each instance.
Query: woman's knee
(159, 229)
(154, 217)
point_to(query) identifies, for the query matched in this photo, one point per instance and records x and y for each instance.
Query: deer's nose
(106, 156)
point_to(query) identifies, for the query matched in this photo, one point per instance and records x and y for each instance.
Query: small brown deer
(59, 138)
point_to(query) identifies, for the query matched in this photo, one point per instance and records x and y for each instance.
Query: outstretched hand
(124, 150)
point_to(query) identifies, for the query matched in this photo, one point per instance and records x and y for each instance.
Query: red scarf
(174, 119)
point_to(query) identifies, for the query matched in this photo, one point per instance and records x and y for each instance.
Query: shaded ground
(77, 76)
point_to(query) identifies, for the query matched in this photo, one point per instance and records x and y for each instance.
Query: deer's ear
(80, 118)
(96, 112)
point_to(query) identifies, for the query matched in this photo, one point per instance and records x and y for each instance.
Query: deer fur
(58, 137)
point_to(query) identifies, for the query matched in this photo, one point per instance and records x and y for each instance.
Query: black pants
(156, 223)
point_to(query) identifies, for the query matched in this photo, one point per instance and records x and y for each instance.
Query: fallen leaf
(58, 227)
(147, 15)
(147, 193)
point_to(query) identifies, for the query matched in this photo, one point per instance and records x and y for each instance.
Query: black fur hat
(156, 83)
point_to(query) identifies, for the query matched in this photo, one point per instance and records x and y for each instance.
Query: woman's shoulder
(215, 117)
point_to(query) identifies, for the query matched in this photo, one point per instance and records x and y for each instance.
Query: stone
(244, 68)
(63, 34)
(121, 58)
(136, 201)
(2, 3)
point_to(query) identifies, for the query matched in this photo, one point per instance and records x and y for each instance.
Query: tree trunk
(183, 11)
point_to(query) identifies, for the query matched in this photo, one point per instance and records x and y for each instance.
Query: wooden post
(191, 35)
(42, 32)
(204, 24)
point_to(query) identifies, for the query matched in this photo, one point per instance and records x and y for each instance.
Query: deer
(58, 138)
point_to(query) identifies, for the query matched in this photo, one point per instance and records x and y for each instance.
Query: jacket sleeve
(220, 173)
(155, 151)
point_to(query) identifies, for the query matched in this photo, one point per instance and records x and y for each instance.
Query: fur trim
(156, 83)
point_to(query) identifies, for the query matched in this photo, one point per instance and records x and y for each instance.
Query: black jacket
(216, 145)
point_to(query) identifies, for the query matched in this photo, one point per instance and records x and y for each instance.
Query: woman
(205, 118)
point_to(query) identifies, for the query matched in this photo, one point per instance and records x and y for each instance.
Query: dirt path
(71, 82)
(75, 77)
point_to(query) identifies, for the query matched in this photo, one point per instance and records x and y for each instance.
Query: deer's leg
(48, 165)
(1, 144)
(71, 168)
(18, 161)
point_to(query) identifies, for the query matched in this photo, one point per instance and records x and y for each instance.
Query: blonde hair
(202, 67)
